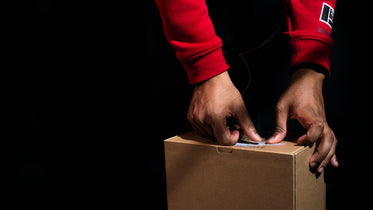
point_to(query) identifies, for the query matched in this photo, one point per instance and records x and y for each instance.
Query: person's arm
(303, 101)
(190, 32)
(309, 25)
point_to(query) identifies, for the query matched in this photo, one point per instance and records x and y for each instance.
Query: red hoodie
(190, 32)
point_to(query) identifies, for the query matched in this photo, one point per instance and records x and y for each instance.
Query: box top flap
(286, 147)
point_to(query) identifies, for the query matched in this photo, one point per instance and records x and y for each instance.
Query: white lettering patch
(327, 14)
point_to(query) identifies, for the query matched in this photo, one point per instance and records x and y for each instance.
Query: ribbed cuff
(206, 66)
(308, 49)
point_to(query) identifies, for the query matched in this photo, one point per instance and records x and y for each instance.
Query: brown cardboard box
(203, 175)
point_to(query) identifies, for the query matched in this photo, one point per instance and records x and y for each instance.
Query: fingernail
(271, 139)
(319, 170)
(257, 137)
(313, 164)
(335, 162)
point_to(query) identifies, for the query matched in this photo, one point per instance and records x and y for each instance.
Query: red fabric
(309, 36)
(190, 32)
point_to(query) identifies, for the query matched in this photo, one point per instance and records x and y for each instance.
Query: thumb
(246, 124)
(281, 125)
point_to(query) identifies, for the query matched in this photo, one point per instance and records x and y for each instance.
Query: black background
(94, 89)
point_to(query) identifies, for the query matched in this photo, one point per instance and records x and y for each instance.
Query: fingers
(325, 152)
(313, 133)
(222, 133)
(214, 127)
(334, 161)
(320, 133)
(281, 125)
(198, 125)
(246, 124)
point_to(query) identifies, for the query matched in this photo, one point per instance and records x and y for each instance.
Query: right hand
(215, 100)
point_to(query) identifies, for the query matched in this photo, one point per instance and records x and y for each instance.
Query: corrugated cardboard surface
(203, 175)
(310, 188)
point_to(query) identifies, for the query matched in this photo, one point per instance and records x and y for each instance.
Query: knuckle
(319, 156)
(335, 141)
(326, 160)
(330, 137)
(194, 118)
(280, 107)
(279, 129)
(297, 112)
(190, 117)
(318, 124)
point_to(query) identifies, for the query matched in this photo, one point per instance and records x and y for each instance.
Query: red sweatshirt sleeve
(309, 25)
(190, 32)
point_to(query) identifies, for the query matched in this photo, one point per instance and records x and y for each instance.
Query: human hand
(214, 101)
(303, 101)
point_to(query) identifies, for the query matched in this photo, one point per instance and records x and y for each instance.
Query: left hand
(303, 101)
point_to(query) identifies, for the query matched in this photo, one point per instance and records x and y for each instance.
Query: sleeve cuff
(311, 50)
(206, 66)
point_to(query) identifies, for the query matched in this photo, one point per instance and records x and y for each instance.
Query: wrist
(222, 78)
(307, 73)
(314, 66)
(309, 76)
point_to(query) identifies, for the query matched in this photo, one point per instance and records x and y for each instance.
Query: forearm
(309, 26)
(189, 30)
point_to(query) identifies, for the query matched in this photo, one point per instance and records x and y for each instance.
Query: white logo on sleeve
(327, 14)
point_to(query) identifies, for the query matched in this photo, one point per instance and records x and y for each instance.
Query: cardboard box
(203, 175)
